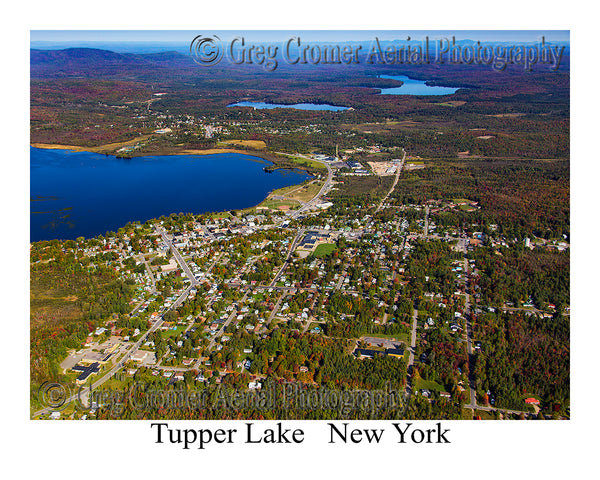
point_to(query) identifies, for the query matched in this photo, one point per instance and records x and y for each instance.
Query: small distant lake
(414, 87)
(297, 106)
(87, 194)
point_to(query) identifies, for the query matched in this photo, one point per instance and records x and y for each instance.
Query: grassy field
(421, 384)
(208, 151)
(220, 215)
(284, 191)
(485, 415)
(456, 103)
(172, 333)
(324, 249)
(52, 146)
(404, 338)
(306, 162)
(45, 307)
(306, 192)
(257, 144)
(292, 196)
(275, 204)
(302, 193)
(467, 208)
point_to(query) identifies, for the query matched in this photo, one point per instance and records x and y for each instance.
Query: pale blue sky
(184, 36)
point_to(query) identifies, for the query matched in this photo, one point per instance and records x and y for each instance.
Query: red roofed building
(533, 401)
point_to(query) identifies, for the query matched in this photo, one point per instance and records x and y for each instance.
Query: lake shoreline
(279, 161)
(305, 106)
(162, 152)
(243, 198)
(414, 87)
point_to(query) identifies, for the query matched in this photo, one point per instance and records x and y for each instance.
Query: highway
(316, 199)
(178, 257)
(398, 171)
(220, 332)
(293, 245)
(142, 257)
(84, 392)
(411, 355)
(472, 386)
(267, 324)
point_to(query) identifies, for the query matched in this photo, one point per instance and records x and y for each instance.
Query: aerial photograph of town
(299, 225)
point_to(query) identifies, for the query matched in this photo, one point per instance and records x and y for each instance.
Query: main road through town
(398, 171)
(82, 394)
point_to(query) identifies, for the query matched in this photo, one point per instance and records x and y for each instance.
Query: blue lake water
(87, 194)
(414, 87)
(297, 106)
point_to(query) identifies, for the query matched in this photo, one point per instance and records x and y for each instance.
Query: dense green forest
(521, 356)
(523, 197)
(520, 274)
(68, 299)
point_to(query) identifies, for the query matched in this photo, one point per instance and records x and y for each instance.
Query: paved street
(398, 171)
(411, 354)
(472, 384)
(291, 250)
(180, 260)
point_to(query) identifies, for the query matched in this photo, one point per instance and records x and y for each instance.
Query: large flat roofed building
(86, 371)
(395, 352)
(368, 353)
(312, 238)
(365, 353)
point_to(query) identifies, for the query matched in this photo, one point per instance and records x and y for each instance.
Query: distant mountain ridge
(83, 60)
(86, 62)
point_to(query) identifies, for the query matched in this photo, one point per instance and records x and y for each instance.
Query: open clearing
(256, 144)
(383, 168)
(297, 193)
(210, 151)
(287, 198)
(422, 384)
(451, 103)
(382, 127)
(324, 249)
(279, 204)
(304, 162)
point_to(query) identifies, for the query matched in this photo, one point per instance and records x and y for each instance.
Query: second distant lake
(414, 87)
(87, 194)
(297, 106)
